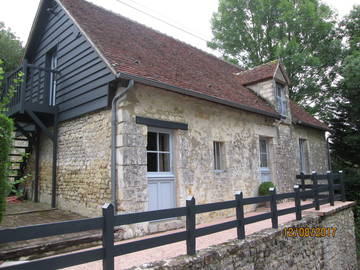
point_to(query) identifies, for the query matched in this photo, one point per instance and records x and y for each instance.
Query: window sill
(160, 175)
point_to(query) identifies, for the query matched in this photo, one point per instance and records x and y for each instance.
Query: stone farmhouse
(116, 111)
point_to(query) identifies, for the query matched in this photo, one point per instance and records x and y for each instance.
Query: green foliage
(6, 128)
(17, 187)
(11, 50)
(301, 33)
(345, 119)
(264, 188)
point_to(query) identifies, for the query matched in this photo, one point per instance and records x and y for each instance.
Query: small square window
(218, 156)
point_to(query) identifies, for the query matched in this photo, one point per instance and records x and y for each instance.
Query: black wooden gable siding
(82, 85)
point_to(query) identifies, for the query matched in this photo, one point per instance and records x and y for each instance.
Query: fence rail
(108, 222)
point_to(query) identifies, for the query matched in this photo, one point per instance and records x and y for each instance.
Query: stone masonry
(83, 166)
(193, 156)
(271, 249)
(84, 154)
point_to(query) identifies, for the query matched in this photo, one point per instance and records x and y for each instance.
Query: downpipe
(114, 105)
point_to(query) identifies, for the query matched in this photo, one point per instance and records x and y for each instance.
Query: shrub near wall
(6, 128)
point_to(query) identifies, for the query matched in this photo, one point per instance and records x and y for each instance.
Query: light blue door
(161, 187)
(161, 194)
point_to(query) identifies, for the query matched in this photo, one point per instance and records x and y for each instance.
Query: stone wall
(193, 149)
(271, 249)
(83, 166)
(84, 154)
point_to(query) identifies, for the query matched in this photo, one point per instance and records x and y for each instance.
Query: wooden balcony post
(23, 86)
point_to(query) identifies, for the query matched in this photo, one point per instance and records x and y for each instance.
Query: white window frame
(265, 170)
(281, 100)
(220, 160)
(169, 174)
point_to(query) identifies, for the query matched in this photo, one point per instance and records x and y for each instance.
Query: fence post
(331, 187)
(240, 215)
(274, 213)
(315, 190)
(190, 226)
(297, 202)
(303, 184)
(343, 197)
(108, 236)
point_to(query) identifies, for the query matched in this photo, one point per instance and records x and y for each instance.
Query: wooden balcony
(28, 88)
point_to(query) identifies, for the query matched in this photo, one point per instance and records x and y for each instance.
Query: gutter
(114, 105)
(195, 94)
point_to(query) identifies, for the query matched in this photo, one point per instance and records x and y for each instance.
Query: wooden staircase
(20, 154)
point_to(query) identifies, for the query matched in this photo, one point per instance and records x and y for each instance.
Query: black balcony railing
(28, 89)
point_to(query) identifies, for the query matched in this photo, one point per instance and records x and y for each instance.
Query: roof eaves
(298, 122)
(35, 22)
(257, 81)
(196, 94)
(88, 38)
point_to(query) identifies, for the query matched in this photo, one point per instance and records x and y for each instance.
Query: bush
(6, 129)
(264, 188)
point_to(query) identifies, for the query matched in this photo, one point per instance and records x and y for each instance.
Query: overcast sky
(193, 16)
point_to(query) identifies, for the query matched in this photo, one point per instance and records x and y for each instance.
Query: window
(304, 160)
(281, 100)
(218, 156)
(52, 64)
(264, 160)
(159, 152)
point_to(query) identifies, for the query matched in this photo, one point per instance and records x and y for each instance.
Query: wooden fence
(334, 189)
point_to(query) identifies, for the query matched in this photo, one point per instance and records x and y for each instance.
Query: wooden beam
(40, 125)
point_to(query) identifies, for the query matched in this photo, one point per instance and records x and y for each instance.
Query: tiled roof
(132, 48)
(302, 117)
(258, 73)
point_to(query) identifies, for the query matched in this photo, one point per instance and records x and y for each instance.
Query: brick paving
(176, 249)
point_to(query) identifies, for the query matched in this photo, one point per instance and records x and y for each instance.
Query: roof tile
(135, 49)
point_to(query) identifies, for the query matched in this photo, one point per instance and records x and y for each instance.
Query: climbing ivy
(6, 129)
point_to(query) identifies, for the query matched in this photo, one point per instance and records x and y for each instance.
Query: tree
(300, 32)
(345, 119)
(11, 50)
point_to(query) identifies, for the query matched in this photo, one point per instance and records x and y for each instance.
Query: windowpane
(263, 153)
(164, 162)
(263, 160)
(218, 156)
(151, 141)
(152, 162)
(164, 144)
(281, 101)
(278, 90)
(303, 156)
(284, 107)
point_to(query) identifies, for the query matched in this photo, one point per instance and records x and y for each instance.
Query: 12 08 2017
(310, 231)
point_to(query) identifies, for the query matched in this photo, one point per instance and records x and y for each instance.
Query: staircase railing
(29, 84)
